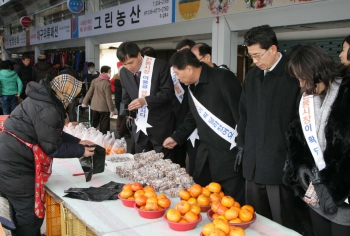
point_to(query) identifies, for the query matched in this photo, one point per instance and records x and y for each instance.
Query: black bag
(108, 191)
(124, 111)
(95, 164)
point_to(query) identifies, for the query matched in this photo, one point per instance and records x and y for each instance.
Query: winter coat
(24, 73)
(41, 70)
(100, 95)
(266, 110)
(336, 175)
(39, 119)
(10, 83)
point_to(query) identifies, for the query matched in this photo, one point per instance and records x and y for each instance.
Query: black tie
(137, 78)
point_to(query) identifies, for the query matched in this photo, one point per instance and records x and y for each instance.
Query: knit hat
(119, 65)
(41, 57)
(66, 88)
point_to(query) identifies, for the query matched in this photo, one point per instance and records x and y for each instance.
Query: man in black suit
(155, 116)
(267, 107)
(214, 112)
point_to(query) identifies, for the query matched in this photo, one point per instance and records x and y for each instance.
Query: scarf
(104, 76)
(66, 88)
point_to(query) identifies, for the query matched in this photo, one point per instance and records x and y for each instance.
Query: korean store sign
(128, 16)
(51, 33)
(15, 40)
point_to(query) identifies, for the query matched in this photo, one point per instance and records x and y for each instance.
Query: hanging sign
(75, 6)
(25, 21)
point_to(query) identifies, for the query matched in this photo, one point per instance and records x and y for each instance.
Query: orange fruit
(215, 206)
(125, 186)
(151, 206)
(148, 188)
(120, 150)
(231, 214)
(183, 207)
(160, 196)
(152, 199)
(245, 215)
(150, 194)
(223, 226)
(236, 208)
(237, 204)
(248, 207)
(192, 200)
(214, 187)
(223, 218)
(214, 216)
(141, 200)
(203, 200)
(221, 210)
(227, 201)
(173, 215)
(221, 193)
(131, 198)
(183, 221)
(136, 186)
(207, 229)
(217, 232)
(195, 208)
(237, 220)
(237, 232)
(206, 192)
(164, 202)
(195, 190)
(184, 194)
(215, 197)
(191, 216)
(126, 193)
(139, 193)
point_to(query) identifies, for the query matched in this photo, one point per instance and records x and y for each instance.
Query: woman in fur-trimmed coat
(330, 86)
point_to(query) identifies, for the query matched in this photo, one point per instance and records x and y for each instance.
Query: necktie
(137, 78)
(266, 71)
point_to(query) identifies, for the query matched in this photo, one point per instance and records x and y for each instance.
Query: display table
(113, 218)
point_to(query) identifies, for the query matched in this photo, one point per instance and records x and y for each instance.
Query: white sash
(144, 90)
(218, 126)
(307, 118)
(179, 91)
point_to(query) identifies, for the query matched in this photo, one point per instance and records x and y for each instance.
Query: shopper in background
(92, 73)
(185, 43)
(203, 54)
(148, 51)
(10, 87)
(345, 53)
(71, 109)
(267, 107)
(101, 100)
(38, 120)
(42, 68)
(24, 72)
(57, 67)
(318, 164)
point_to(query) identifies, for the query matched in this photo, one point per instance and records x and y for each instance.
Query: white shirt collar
(274, 65)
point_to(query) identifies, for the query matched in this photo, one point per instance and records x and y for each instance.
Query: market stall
(113, 218)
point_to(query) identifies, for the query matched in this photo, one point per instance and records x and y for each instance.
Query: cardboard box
(111, 166)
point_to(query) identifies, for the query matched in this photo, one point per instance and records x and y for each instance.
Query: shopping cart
(84, 115)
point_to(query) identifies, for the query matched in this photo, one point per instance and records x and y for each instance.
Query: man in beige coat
(101, 100)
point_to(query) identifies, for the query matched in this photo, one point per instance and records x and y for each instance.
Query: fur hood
(336, 174)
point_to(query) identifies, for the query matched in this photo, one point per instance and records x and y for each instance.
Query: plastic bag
(108, 191)
(95, 164)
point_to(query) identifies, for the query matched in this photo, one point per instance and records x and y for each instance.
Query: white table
(113, 218)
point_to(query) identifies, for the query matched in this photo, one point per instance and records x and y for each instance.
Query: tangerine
(224, 226)
(183, 207)
(148, 188)
(125, 186)
(221, 210)
(237, 220)
(150, 194)
(164, 202)
(245, 215)
(195, 190)
(141, 200)
(191, 216)
(126, 193)
(195, 208)
(184, 194)
(248, 207)
(217, 232)
(231, 214)
(136, 186)
(237, 232)
(192, 200)
(214, 197)
(203, 200)
(139, 193)
(151, 206)
(207, 229)
(214, 187)
(173, 215)
(206, 192)
(227, 201)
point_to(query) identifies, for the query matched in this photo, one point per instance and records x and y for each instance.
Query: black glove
(238, 162)
(326, 200)
(305, 176)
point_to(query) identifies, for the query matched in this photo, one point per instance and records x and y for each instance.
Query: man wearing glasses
(203, 53)
(267, 106)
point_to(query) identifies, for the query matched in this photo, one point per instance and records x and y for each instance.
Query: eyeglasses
(257, 56)
(201, 58)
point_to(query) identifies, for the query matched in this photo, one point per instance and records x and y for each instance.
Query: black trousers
(27, 223)
(102, 119)
(272, 201)
(234, 186)
(147, 143)
(324, 227)
(179, 155)
(192, 153)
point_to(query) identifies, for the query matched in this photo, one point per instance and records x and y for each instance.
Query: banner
(127, 16)
(51, 33)
(15, 40)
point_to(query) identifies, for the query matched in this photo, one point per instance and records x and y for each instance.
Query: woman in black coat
(318, 161)
(39, 119)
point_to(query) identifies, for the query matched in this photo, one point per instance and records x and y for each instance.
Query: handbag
(43, 170)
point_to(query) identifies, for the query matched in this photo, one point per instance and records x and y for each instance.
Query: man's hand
(17, 95)
(89, 151)
(111, 114)
(86, 142)
(83, 106)
(137, 104)
(169, 143)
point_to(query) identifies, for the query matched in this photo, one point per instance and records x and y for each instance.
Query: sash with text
(179, 91)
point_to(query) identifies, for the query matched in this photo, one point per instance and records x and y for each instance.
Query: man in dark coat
(24, 72)
(158, 100)
(42, 68)
(267, 107)
(217, 91)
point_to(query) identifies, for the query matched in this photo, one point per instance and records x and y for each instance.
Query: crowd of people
(279, 137)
